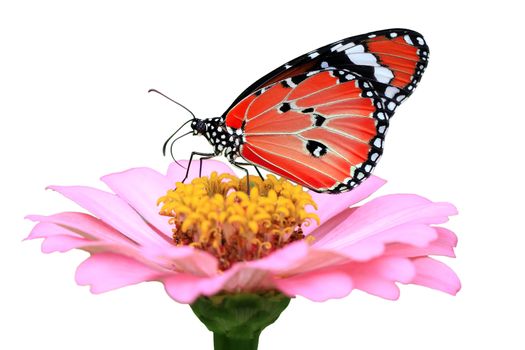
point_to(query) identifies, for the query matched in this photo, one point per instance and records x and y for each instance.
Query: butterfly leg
(238, 165)
(200, 163)
(203, 156)
(256, 169)
(259, 172)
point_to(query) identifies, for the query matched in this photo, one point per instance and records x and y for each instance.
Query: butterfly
(320, 119)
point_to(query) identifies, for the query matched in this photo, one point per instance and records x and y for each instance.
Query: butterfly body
(320, 120)
(225, 140)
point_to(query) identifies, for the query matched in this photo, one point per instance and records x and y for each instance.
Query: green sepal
(238, 319)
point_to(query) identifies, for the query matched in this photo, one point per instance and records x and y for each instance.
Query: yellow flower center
(217, 215)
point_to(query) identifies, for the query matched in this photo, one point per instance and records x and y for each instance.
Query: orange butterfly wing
(321, 118)
(323, 130)
(394, 60)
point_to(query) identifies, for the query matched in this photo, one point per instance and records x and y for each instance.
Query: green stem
(223, 342)
(238, 319)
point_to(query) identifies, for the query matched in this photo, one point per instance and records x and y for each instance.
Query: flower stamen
(217, 215)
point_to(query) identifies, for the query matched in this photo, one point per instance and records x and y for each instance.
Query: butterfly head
(198, 126)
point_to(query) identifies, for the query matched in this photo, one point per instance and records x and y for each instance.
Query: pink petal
(48, 229)
(378, 277)
(374, 245)
(176, 173)
(295, 258)
(115, 212)
(108, 271)
(58, 238)
(81, 224)
(443, 245)
(242, 277)
(184, 259)
(315, 260)
(446, 237)
(330, 205)
(391, 268)
(282, 259)
(328, 226)
(141, 188)
(385, 213)
(64, 243)
(435, 274)
(377, 286)
(186, 288)
(318, 285)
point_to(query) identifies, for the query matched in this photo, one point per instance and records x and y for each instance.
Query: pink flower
(370, 247)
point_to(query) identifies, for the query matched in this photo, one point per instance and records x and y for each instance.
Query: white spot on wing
(383, 75)
(365, 59)
(355, 49)
(408, 40)
(313, 54)
(391, 91)
(335, 47)
(400, 98)
(420, 41)
(391, 105)
(346, 46)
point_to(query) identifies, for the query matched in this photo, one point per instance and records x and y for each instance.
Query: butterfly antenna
(172, 135)
(171, 147)
(172, 100)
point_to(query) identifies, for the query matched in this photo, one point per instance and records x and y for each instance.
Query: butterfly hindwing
(322, 129)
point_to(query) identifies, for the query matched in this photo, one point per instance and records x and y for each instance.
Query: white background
(73, 107)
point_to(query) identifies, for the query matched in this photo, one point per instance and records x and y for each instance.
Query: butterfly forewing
(392, 60)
